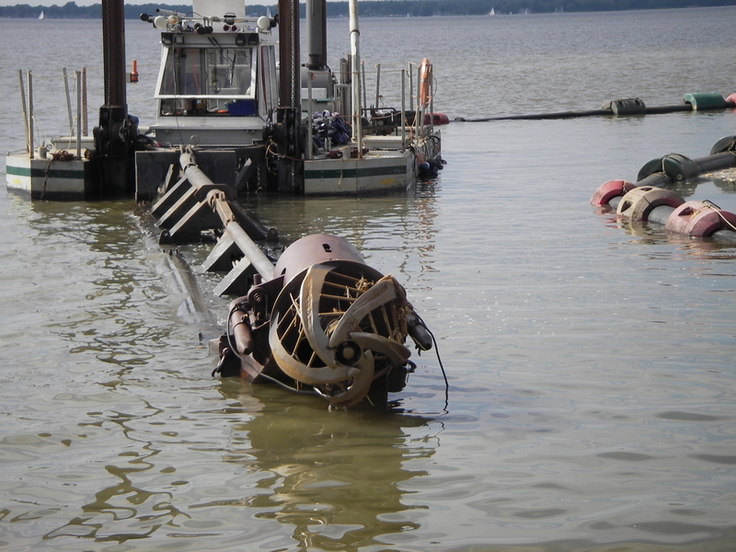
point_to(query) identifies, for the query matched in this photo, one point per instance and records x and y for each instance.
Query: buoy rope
(717, 209)
(46, 178)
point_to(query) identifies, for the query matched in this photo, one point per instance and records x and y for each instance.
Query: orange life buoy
(425, 81)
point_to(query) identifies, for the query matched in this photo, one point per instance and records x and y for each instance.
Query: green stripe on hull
(42, 173)
(354, 173)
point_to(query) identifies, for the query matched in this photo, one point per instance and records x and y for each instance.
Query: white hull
(376, 171)
(46, 178)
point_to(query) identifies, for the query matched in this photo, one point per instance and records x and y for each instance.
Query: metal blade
(300, 371)
(360, 385)
(309, 312)
(395, 351)
(382, 292)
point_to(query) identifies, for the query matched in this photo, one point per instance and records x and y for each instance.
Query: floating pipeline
(626, 108)
(649, 199)
(695, 219)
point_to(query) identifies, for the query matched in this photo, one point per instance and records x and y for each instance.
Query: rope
(46, 178)
(718, 210)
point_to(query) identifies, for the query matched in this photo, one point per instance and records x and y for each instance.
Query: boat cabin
(217, 79)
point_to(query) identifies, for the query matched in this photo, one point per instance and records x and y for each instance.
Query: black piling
(115, 135)
(287, 134)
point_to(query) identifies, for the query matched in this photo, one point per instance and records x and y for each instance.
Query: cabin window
(206, 79)
(184, 73)
(269, 93)
(230, 71)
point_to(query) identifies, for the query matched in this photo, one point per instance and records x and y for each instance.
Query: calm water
(591, 364)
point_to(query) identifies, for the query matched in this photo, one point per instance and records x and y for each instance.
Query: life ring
(425, 81)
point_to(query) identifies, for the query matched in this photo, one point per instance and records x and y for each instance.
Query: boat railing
(28, 109)
(412, 121)
(416, 101)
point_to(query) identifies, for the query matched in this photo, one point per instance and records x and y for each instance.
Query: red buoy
(608, 190)
(699, 219)
(436, 119)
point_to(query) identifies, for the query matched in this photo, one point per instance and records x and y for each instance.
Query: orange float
(425, 82)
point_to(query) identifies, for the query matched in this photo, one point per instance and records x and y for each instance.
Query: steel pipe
(217, 199)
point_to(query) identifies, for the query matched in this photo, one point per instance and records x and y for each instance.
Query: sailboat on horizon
(41, 15)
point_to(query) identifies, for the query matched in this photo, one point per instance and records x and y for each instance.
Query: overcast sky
(34, 3)
(90, 2)
(80, 2)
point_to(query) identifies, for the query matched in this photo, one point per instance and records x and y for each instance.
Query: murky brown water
(591, 363)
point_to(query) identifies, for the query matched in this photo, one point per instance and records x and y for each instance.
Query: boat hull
(375, 172)
(48, 179)
(388, 164)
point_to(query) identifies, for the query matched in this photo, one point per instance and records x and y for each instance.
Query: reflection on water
(395, 229)
(103, 319)
(336, 477)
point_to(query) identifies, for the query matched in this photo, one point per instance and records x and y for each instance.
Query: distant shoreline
(383, 8)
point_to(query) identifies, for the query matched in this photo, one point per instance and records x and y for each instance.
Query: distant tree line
(394, 8)
(70, 10)
(381, 8)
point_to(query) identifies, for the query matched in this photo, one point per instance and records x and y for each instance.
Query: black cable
(439, 359)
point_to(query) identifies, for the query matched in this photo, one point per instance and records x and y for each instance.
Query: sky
(61, 2)
(80, 2)
(91, 2)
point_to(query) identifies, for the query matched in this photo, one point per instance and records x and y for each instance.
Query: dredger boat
(233, 87)
(230, 121)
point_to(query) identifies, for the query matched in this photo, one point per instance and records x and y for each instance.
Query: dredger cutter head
(336, 324)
